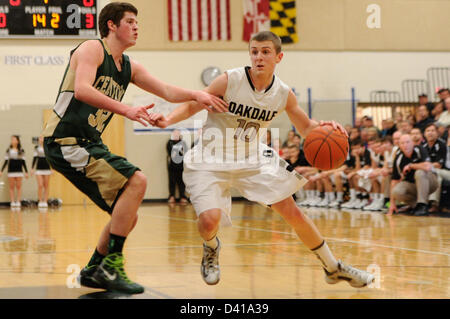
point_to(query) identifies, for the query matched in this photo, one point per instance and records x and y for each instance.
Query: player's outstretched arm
(186, 110)
(143, 79)
(302, 122)
(84, 62)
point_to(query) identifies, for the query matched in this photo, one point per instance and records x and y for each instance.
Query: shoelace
(352, 271)
(210, 257)
(118, 264)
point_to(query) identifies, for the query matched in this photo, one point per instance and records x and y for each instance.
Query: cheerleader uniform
(40, 163)
(15, 162)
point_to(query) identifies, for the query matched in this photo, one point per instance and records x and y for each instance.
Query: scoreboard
(48, 18)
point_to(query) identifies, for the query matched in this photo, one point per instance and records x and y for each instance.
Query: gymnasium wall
(328, 62)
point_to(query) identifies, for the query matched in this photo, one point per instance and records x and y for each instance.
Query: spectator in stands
(423, 118)
(176, 148)
(15, 161)
(411, 118)
(375, 177)
(398, 117)
(423, 100)
(388, 127)
(298, 162)
(290, 139)
(405, 127)
(362, 162)
(372, 133)
(354, 134)
(368, 123)
(358, 123)
(444, 119)
(364, 135)
(417, 137)
(437, 111)
(412, 181)
(443, 94)
(437, 150)
(297, 140)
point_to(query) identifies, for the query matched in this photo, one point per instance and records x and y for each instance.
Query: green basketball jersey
(74, 118)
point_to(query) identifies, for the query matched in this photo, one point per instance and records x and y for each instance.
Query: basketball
(326, 148)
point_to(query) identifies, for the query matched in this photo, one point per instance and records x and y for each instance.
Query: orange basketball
(325, 148)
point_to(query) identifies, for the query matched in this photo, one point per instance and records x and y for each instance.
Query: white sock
(309, 194)
(323, 253)
(331, 197)
(352, 193)
(317, 193)
(212, 243)
(340, 196)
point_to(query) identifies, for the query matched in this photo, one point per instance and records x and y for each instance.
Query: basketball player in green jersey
(93, 86)
(255, 96)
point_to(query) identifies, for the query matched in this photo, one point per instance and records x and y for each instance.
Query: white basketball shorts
(265, 185)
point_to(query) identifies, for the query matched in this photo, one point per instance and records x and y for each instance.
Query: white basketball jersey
(232, 140)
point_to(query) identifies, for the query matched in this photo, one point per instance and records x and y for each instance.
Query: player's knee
(138, 182)
(209, 220)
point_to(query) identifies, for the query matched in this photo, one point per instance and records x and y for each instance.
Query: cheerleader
(15, 160)
(41, 168)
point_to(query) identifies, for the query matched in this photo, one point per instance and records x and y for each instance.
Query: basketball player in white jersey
(255, 96)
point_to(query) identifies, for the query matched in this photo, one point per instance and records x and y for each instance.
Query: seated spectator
(405, 127)
(368, 123)
(375, 177)
(398, 117)
(354, 134)
(389, 127)
(417, 137)
(297, 140)
(348, 128)
(411, 118)
(364, 135)
(412, 182)
(443, 94)
(372, 133)
(423, 100)
(289, 139)
(437, 150)
(422, 118)
(444, 119)
(362, 159)
(358, 123)
(437, 111)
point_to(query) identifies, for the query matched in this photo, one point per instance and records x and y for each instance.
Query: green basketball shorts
(91, 167)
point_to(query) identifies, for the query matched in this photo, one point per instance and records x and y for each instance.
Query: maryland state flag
(278, 16)
(283, 16)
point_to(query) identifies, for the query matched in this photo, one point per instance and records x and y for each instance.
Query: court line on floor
(327, 238)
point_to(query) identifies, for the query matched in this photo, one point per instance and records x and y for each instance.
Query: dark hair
(267, 36)
(388, 139)
(443, 90)
(113, 11)
(19, 145)
(423, 95)
(357, 141)
(430, 124)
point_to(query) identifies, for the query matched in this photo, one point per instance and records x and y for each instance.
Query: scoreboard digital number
(48, 18)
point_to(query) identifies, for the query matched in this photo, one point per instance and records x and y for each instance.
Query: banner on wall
(199, 20)
(193, 123)
(278, 16)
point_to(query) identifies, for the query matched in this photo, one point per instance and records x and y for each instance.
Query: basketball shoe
(85, 277)
(210, 264)
(355, 277)
(112, 277)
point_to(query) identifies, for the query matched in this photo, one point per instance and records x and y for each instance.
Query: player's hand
(139, 114)
(158, 120)
(211, 102)
(335, 126)
(32, 172)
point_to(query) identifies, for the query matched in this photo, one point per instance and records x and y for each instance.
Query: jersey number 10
(245, 132)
